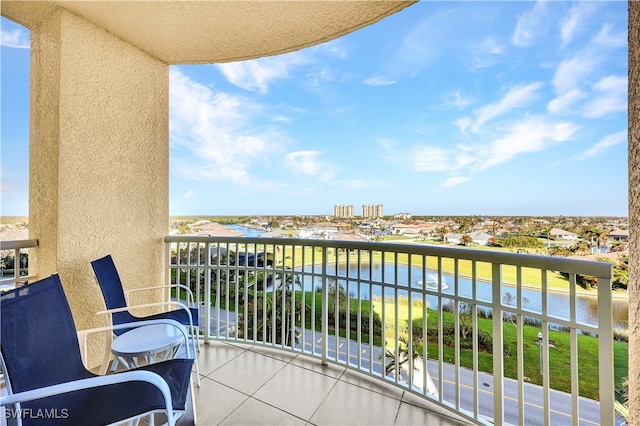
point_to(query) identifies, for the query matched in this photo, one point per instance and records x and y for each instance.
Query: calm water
(557, 303)
(248, 232)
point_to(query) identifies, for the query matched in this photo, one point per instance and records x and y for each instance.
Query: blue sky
(446, 108)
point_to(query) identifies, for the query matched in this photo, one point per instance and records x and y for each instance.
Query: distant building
(619, 235)
(213, 229)
(343, 211)
(477, 238)
(318, 232)
(561, 234)
(402, 216)
(372, 210)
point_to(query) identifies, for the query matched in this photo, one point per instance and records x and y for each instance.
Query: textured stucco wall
(178, 31)
(634, 212)
(99, 159)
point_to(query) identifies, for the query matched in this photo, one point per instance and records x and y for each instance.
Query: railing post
(325, 307)
(207, 295)
(605, 351)
(167, 275)
(498, 364)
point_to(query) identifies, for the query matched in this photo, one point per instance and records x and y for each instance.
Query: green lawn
(530, 277)
(559, 357)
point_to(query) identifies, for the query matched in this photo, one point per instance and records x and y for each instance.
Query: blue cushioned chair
(116, 302)
(46, 377)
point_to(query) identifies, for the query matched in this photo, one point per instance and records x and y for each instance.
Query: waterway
(557, 302)
(367, 281)
(248, 232)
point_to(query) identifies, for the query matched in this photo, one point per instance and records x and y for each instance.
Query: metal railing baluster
(226, 276)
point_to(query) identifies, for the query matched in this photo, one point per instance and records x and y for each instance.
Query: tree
(495, 226)
(597, 235)
(581, 248)
(560, 251)
(408, 351)
(466, 239)
(618, 246)
(620, 271)
(260, 310)
(546, 231)
(441, 231)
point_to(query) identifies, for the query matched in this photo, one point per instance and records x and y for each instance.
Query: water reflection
(368, 280)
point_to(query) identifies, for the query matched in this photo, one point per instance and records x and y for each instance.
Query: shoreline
(579, 290)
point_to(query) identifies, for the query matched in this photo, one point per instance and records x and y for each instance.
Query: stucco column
(98, 158)
(634, 212)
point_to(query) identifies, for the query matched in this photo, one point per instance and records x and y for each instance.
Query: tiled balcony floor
(251, 385)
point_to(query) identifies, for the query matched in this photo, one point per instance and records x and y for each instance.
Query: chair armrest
(150, 305)
(190, 298)
(145, 305)
(127, 376)
(83, 334)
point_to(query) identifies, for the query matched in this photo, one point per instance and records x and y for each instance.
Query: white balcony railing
(18, 272)
(417, 317)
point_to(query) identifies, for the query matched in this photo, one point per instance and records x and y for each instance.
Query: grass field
(559, 355)
(530, 277)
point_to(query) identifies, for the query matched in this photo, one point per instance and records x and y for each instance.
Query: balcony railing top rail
(16, 251)
(414, 316)
(584, 267)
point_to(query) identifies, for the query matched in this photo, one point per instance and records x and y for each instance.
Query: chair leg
(195, 362)
(196, 351)
(193, 401)
(114, 364)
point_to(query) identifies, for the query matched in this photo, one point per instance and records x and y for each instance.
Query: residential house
(618, 235)
(561, 234)
(477, 238)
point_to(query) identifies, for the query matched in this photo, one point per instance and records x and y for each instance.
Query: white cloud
(309, 163)
(189, 194)
(573, 81)
(610, 96)
(486, 53)
(216, 130)
(530, 25)
(431, 159)
(573, 22)
(491, 46)
(256, 75)
(572, 72)
(516, 97)
(530, 135)
(379, 81)
(463, 124)
(455, 180)
(496, 146)
(16, 38)
(460, 101)
(355, 184)
(606, 39)
(603, 145)
(564, 102)
(413, 53)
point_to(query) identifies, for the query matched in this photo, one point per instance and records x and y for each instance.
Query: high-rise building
(343, 211)
(372, 210)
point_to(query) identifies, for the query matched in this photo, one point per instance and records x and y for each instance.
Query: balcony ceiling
(182, 31)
